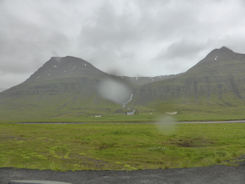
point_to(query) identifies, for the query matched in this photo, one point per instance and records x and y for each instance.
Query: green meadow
(120, 146)
(185, 112)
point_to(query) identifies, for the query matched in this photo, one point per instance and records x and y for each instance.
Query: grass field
(118, 146)
(185, 112)
(53, 109)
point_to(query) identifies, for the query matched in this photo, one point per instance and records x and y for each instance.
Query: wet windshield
(122, 91)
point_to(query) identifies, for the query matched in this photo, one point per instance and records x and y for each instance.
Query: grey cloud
(184, 49)
(134, 37)
(24, 45)
(10, 79)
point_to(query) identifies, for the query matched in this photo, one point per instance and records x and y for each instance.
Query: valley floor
(120, 146)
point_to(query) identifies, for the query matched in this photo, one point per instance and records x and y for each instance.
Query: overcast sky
(133, 37)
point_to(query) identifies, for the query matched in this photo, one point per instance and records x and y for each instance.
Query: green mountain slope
(67, 89)
(61, 86)
(217, 83)
(64, 88)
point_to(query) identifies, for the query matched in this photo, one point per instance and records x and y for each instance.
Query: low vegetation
(128, 146)
(183, 112)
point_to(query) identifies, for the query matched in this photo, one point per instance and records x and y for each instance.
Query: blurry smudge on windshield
(166, 124)
(115, 91)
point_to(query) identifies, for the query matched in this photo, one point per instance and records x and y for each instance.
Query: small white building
(131, 113)
(171, 113)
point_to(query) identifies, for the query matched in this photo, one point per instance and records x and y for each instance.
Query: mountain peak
(221, 56)
(66, 67)
(222, 52)
(67, 59)
(225, 49)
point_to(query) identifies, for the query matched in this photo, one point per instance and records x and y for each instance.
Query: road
(202, 175)
(179, 122)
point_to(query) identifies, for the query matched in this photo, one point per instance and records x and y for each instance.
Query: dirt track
(203, 175)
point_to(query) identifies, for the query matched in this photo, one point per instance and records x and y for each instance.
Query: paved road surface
(202, 175)
(180, 122)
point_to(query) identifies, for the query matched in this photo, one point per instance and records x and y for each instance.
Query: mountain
(58, 75)
(219, 73)
(217, 81)
(67, 87)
